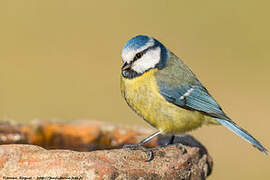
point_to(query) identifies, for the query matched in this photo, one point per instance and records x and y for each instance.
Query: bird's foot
(171, 142)
(149, 152)
(181, 147)
(177, 145)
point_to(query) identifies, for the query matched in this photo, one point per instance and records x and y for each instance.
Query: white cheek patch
(128, 54)
(149, 60)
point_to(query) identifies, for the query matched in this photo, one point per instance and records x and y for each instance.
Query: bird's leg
(140, 146)
(168, 142)
(171, 140)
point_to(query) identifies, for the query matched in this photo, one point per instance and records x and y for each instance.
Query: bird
(163, 90)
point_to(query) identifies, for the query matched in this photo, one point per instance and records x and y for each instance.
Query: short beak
(125, 66)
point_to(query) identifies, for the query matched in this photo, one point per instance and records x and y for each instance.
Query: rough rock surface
(30, 161)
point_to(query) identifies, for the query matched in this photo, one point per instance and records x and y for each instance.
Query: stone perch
(23, 161)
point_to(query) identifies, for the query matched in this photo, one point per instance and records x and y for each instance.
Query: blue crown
(136, 42)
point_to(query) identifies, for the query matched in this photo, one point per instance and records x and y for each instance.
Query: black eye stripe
(140, 54)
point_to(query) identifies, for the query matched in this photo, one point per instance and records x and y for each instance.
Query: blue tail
(242, 133)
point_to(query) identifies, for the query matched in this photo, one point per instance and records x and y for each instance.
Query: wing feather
(193, 97)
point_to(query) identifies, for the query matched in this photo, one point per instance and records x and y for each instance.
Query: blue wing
(193, 97)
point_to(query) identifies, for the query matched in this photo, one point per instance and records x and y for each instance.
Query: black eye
(138, 56)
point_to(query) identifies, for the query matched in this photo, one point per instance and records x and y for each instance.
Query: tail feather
(242, 133)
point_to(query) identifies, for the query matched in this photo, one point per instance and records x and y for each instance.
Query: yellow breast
(142, 95)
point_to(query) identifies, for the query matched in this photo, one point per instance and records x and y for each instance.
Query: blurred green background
(61, 59)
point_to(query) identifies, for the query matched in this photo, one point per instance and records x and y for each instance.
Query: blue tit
(163, 90)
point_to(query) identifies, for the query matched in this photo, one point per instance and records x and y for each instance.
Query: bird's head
(142, 53)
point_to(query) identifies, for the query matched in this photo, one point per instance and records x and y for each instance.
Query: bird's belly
(143, 97)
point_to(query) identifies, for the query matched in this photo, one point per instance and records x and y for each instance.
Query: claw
(181, 147)
(150, 155)
(171, 142)
(149, 152)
